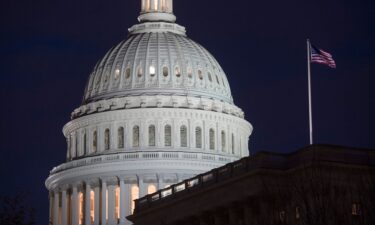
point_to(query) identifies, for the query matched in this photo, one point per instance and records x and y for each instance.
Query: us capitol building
(157, 109)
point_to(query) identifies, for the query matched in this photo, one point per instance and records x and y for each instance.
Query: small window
(209, 77)
(135, 136)
(95, 141)
(298, 214)
(168, 135)
(117, 74)
(107, 139)
(282, 216)
(165, 71)
(177, 72)
(233, 144)
(151, 135)
(223, 141)
(200, 75)
(120, 137)
(198, 137)
(212, 139)
(152, 71)
(190, 72)
(183, 136)
(356, 209)
(140, 72)
(127, 73)
(84, 144)
(217, 79)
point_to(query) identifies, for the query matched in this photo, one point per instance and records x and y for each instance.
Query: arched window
(152, 71)
(77, 145)
(127, 73)
(190, 72)
(134, 195)
(120, 137)
(217, 79)
(200, 75)
(198, 137)
(209, 77)
(212, 139)
(223, 143)
(84, 144)
(165, 71)
(117, 74)
(136, 136)
(151, 135)
(168, 135)
(177, 71)
(107, 143)
(140, 72)
(183, 136)
(233, 144)
(95, 141)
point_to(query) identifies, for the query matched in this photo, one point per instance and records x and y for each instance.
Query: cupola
(157, 10)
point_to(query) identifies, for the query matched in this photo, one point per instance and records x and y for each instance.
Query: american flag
(322, 57)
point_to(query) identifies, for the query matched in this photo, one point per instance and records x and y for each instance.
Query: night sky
(48, 49)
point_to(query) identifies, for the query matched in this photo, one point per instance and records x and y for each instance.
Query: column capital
(128, 179)
(109, 180)
(93, 182)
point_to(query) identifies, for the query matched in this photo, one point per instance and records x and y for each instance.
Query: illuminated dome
(158, 59)
(157, 110)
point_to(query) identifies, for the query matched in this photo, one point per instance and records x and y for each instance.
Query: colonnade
(102, 201)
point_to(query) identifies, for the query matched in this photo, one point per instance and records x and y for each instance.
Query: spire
(157, 10)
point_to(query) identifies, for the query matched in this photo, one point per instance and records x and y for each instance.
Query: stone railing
(159, 155)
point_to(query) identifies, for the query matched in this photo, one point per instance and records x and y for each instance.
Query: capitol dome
(161, 62)
(157, 109)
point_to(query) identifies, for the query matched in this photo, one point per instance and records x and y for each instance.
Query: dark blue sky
(48, 48)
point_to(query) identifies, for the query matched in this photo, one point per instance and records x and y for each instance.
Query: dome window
(140, 72)
(217, 79)
(183, 136)
(117, 74)
(190, 72)
(168, 136)
(198, 137)
(165, 71)
(107, 139)
(223, 141)
(120, 137)
(136, 136)
(95, 141)
(127, 73)
(177, 71)
(200, 75)
(209, 77)
(151, 136)
(212, 139)
(152, 71)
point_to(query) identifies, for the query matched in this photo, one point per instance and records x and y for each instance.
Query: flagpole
(309, 84)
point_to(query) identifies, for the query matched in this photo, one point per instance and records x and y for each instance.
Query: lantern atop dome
(157, 10)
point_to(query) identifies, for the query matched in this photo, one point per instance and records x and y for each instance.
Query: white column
(56, 208)
(142, 188)
(74, 207)
(122, 202)
(96, 205)
(104, 203)
(87, 204)
(111, 204)
(161, 184)
(64, 210)
(128, 202)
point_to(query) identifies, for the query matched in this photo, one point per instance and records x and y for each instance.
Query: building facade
(157, 110)
(319, 184)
